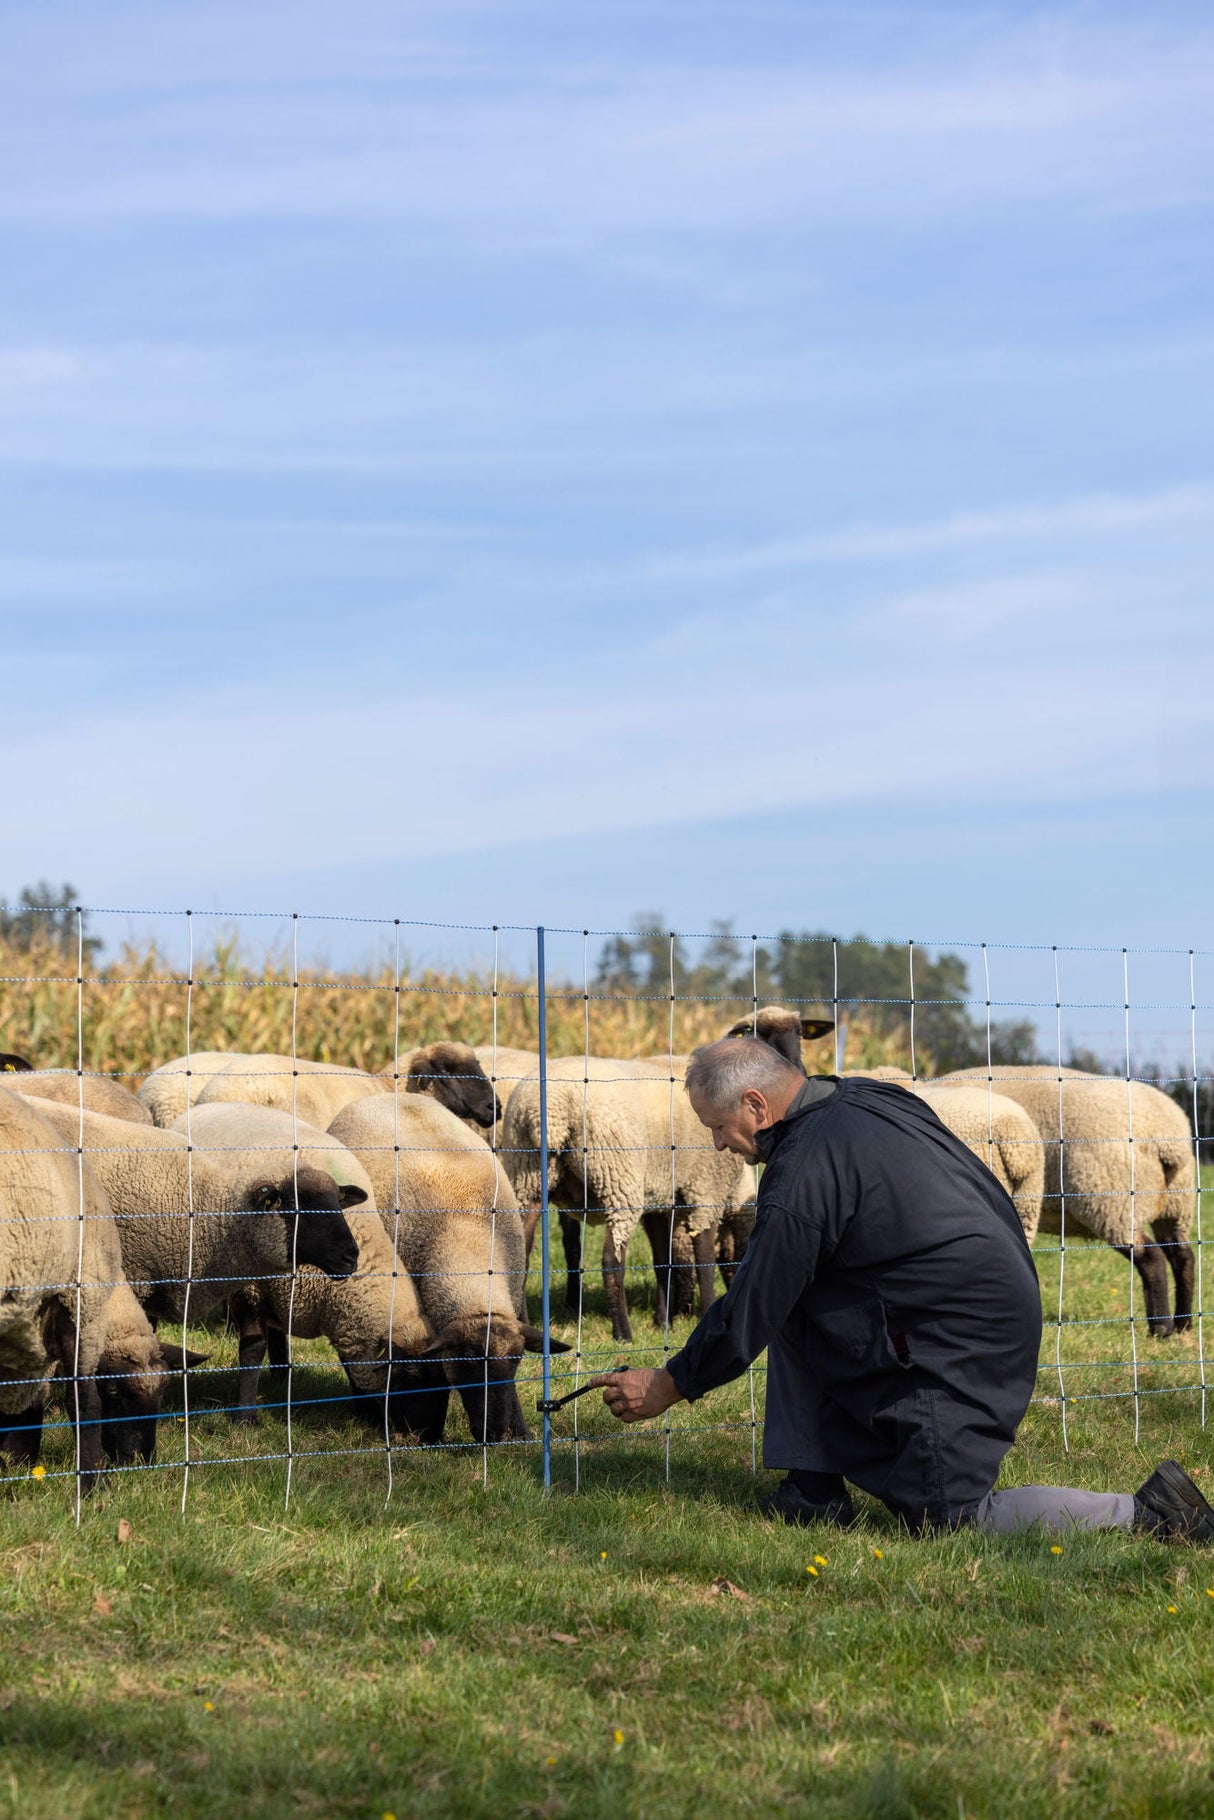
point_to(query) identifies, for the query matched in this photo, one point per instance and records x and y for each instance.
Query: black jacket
(885, 1255)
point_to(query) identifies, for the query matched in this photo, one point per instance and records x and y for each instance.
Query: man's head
(739, 1086)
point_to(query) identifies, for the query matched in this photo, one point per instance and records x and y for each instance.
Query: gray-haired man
(889, 1280)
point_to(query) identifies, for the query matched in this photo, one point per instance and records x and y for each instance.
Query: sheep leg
(531, 1220)
(252, 1350)
(657, 1230)
(21, 1436)
(84, 1410)
(571, 1238)
(615, 1256)
(1153, 1274)
(276, 1346)
(1184, 1272)
(704, 1245)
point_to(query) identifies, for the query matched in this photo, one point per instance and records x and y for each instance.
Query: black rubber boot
(792, 1503)
(1170, 1506)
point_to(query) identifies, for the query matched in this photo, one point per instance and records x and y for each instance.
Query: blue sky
(516, 462)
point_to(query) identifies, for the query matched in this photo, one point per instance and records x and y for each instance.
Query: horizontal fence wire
(194, 986)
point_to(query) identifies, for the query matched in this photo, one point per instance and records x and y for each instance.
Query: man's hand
(635, 1396)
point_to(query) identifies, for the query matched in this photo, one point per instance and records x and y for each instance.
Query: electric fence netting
(280, 1188)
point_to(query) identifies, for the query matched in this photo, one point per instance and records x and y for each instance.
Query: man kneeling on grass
(889, 1280)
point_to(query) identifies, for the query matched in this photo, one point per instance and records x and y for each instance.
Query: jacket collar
(817, 1089)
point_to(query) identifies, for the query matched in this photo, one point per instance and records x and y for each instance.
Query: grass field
(639, 1648)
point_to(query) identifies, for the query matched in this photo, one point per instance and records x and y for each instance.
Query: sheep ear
(450, 1336)
(177, 1357)
(15, 1064)
(816, 1026)
(533, 1340)
(350, 1196)
(267, 1197)
(745, 1026)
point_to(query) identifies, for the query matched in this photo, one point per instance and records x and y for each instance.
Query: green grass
(469, 1648)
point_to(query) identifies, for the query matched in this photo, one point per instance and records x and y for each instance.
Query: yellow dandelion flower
(602, 1554)
(1054, 1549)
(821, 1560)
(208, 1706)
(878, 1554)
(550, 1762)
(37, 1472)
(1210, 1592)
(813, 1571)
(387, 1817)
(617, 1738)
(1172, 1609)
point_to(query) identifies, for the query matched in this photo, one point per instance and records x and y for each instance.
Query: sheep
(450, 1073)
(1118, 1160)
(97, 1093)
(625, 1149)
(314, 1091)
(372, 1318)
(449, 1206)
(192, 1231)
(60, 1261)
(169, 1089)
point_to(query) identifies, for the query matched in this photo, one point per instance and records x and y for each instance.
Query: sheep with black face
(66, 1307)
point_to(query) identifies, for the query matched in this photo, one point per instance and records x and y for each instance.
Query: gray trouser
(1050, 1507)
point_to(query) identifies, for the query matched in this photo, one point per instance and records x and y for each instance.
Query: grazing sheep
(450, 1073)
(97, 1091)
(372, 1318)
(625, 1149)
(314, 1091)
(447, 1202)
(1118, 1160)
(60, 1259)
(169, 1089)
(245, 1226)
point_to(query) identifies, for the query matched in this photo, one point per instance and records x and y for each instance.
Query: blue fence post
(545, 1261)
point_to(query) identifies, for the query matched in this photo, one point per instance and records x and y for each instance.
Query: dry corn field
(136, 1012)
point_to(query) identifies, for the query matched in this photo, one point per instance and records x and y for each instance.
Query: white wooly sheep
(61, 1263)
(450, 1209)
(314, 1091)
(624, 1149)
(372, 1318)
(169, 1089)
(1119, 1160)
(193, 1231)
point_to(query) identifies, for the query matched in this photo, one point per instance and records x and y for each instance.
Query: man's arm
(779, 1265)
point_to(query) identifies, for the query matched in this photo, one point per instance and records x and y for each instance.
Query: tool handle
(547, 1405)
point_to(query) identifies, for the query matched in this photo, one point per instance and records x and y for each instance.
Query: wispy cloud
(571, 146)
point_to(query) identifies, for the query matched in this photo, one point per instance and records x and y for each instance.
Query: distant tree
(818, 971)
(46, 913)
(640, 962)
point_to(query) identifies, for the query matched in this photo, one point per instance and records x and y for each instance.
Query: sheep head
(481, 1354)
(311, 1205)
(782, 1029)
(132, 1389)
(451, 1074)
